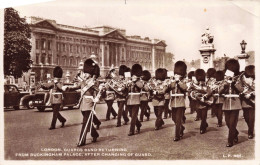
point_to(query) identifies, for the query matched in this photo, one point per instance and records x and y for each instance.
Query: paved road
(27, 138)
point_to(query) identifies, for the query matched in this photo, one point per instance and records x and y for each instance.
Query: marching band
(225, 91)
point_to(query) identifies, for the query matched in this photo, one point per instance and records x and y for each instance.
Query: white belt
(234, 95)
(216, 94)
(110, 92)
(57, 93)
(89, 97)
(134, 93)
(144, 92)
(177, 94)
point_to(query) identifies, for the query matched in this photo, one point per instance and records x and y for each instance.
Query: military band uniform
(178, 90)
(232, 103)
(133, 100)
(110, 98)
(248, 102)
(56, 88)
(218, 99)
(145, 95)
(210, 82)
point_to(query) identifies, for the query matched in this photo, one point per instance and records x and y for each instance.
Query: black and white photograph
(144, 80)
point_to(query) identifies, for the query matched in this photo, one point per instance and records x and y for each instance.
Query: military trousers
(249, 115)
(231, 118)
(56, 115)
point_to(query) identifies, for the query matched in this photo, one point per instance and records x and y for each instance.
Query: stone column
(153, 58)
(103, 54)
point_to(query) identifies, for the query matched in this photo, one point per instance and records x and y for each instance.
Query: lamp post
(242, 58)
(243, 46)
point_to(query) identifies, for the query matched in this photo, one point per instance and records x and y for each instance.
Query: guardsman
(248, 97)
(89, 89)
(133, 101)
(110, 94)
(167, 96)
(121, 93)
(178, 92)
(159, 91)
(56, 96)
(202, 93)
(210, 82)
(144, 98)
(232, 104)
(189, 84)
(218, 99)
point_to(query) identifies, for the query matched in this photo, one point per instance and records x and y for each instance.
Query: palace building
(64, 45)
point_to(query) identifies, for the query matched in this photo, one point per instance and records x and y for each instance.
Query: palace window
(49, 45)
(43, 44)
(71, 48)
(58, 46)
(58, 60)
(37, 58)
(64, 47)
(50, 59)
(43, 58)
(37, 44)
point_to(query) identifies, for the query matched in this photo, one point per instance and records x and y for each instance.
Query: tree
(17, 47)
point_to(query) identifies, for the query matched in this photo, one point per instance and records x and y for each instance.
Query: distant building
(56, 44)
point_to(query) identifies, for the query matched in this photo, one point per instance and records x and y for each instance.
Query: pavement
(26, 137)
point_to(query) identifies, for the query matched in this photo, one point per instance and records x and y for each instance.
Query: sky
(179, 23)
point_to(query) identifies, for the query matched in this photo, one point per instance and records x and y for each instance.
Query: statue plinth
(207, 52)
(242, 59)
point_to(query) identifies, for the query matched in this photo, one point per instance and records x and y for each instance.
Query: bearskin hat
(57, 72)
(219, 75)
(180, 68)
(146, 75)
(232, 65)
(200, 75)
(160, 74)
(250, 71)
(137, 70)
(122, 70)
(191, 74)
(96, 71)
(211, 72)
(89, 66)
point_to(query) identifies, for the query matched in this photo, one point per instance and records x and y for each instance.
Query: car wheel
(41, 109)
(16, 107)
(30, 104)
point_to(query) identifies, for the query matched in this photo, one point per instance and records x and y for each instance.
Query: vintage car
(14, 98)
(42, 99)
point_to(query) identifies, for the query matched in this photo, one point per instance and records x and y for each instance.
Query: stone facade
(56, 44)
